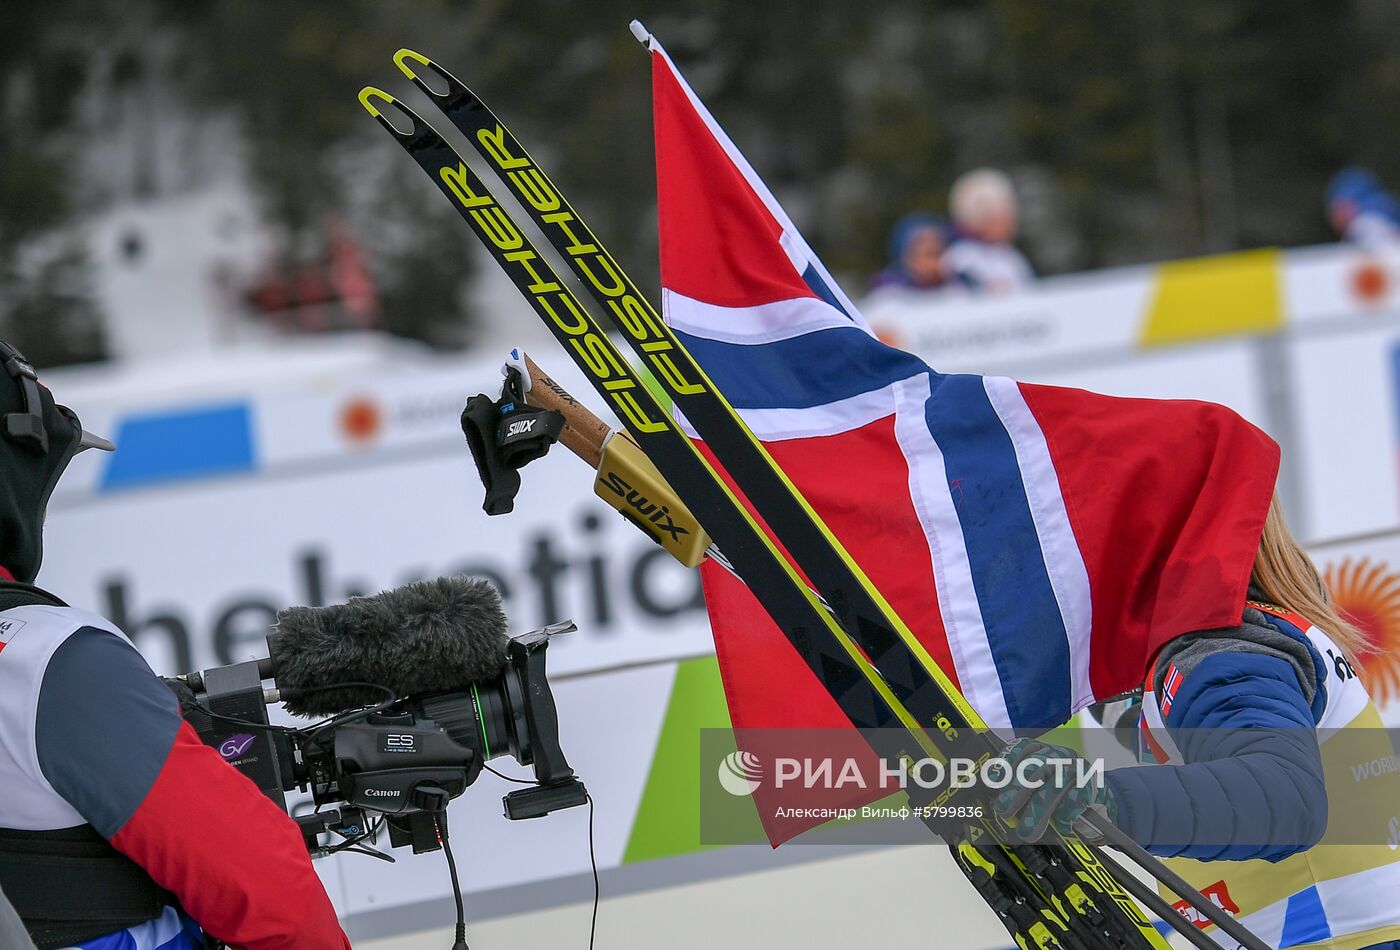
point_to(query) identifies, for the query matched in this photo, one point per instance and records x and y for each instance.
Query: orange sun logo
(1368, 594)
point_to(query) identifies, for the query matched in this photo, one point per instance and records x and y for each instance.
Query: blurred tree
(290, 73)
(1189, 126)
(46, 305)
(1137, 131)
(51, 317)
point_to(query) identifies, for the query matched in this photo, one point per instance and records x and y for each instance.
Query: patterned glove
(1050, 794)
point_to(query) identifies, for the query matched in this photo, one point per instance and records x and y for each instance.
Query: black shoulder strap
(16, 594)
(70, 885)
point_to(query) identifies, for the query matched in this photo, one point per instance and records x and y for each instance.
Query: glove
(1057, 802)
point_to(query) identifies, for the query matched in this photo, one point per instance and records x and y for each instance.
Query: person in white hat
(982, 254)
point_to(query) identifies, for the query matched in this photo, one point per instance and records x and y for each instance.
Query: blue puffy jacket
(1243, 717)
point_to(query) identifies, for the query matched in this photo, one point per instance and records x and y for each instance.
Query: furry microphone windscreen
(424, 637)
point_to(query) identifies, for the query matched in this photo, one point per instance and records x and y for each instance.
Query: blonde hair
(1287, 577)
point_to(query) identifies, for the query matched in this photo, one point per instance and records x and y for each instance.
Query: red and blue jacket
(90, 736)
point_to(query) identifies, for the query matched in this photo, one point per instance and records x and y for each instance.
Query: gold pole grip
(630, 483)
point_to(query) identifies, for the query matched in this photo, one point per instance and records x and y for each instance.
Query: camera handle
(557, 785)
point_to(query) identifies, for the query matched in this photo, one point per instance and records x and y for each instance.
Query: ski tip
(641, 33)
(367, 97)
(402, 57)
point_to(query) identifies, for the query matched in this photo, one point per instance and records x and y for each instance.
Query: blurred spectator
(984, 217)
(917, 248)
(333, 292)
(1361, 210)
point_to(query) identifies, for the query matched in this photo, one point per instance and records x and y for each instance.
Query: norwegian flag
(1040, 542)
(1170, 684)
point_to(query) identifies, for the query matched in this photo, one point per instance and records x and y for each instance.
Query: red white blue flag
(1170, 684)
(1041, 542)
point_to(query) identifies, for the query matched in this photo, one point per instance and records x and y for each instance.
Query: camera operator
(118, 826)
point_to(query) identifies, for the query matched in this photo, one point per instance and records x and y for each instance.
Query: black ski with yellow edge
(918, 682)
(863, 690)
(915, 677)
(819, 639)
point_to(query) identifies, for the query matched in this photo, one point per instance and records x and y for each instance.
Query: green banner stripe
(668, 817)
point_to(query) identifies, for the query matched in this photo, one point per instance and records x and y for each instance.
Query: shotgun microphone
(429, 636)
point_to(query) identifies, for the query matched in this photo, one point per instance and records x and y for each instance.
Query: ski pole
(1153, 901)
(1114, 836)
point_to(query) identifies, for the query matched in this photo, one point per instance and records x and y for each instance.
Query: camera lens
(487, 717)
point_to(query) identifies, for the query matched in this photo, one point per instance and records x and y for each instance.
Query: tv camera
(422, 687)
